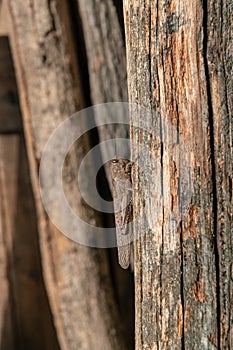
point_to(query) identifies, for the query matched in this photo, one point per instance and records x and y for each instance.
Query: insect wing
(123, 215)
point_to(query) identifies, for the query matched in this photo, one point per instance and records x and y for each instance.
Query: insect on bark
(120, 171)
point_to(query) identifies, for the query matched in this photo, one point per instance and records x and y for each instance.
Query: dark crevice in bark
(53, 24)
(80, 47)
(182, 285)
(119, 9)
(104, 191)
(162, 194)
(112, 256)
(82, 61)
(149, 58)
(215, 206)
(10, 115)
(11, 132)
(162, 245)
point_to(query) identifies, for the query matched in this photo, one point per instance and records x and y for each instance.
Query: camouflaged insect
(120, 171)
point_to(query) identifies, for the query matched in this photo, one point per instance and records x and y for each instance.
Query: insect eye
(114, 160)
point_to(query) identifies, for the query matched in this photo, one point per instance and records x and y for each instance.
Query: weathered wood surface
(76, 277)
(178, 66)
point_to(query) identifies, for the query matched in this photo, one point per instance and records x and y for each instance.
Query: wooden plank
(177, 299)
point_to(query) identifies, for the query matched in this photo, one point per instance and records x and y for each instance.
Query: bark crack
(80, 48)
(181, 250)
(149, 57)
(162, 244)
(212, 151)
(182, 285)
(53, 22)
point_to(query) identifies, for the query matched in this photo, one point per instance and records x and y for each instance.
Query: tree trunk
(179, 61)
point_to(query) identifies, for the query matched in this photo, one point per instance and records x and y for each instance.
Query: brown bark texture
(179, 64)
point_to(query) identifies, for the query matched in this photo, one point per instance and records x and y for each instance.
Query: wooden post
(179, 58)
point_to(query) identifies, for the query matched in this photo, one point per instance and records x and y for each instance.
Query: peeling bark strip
(179, 56)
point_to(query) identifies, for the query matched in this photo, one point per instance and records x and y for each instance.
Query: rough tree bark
(179, 57)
